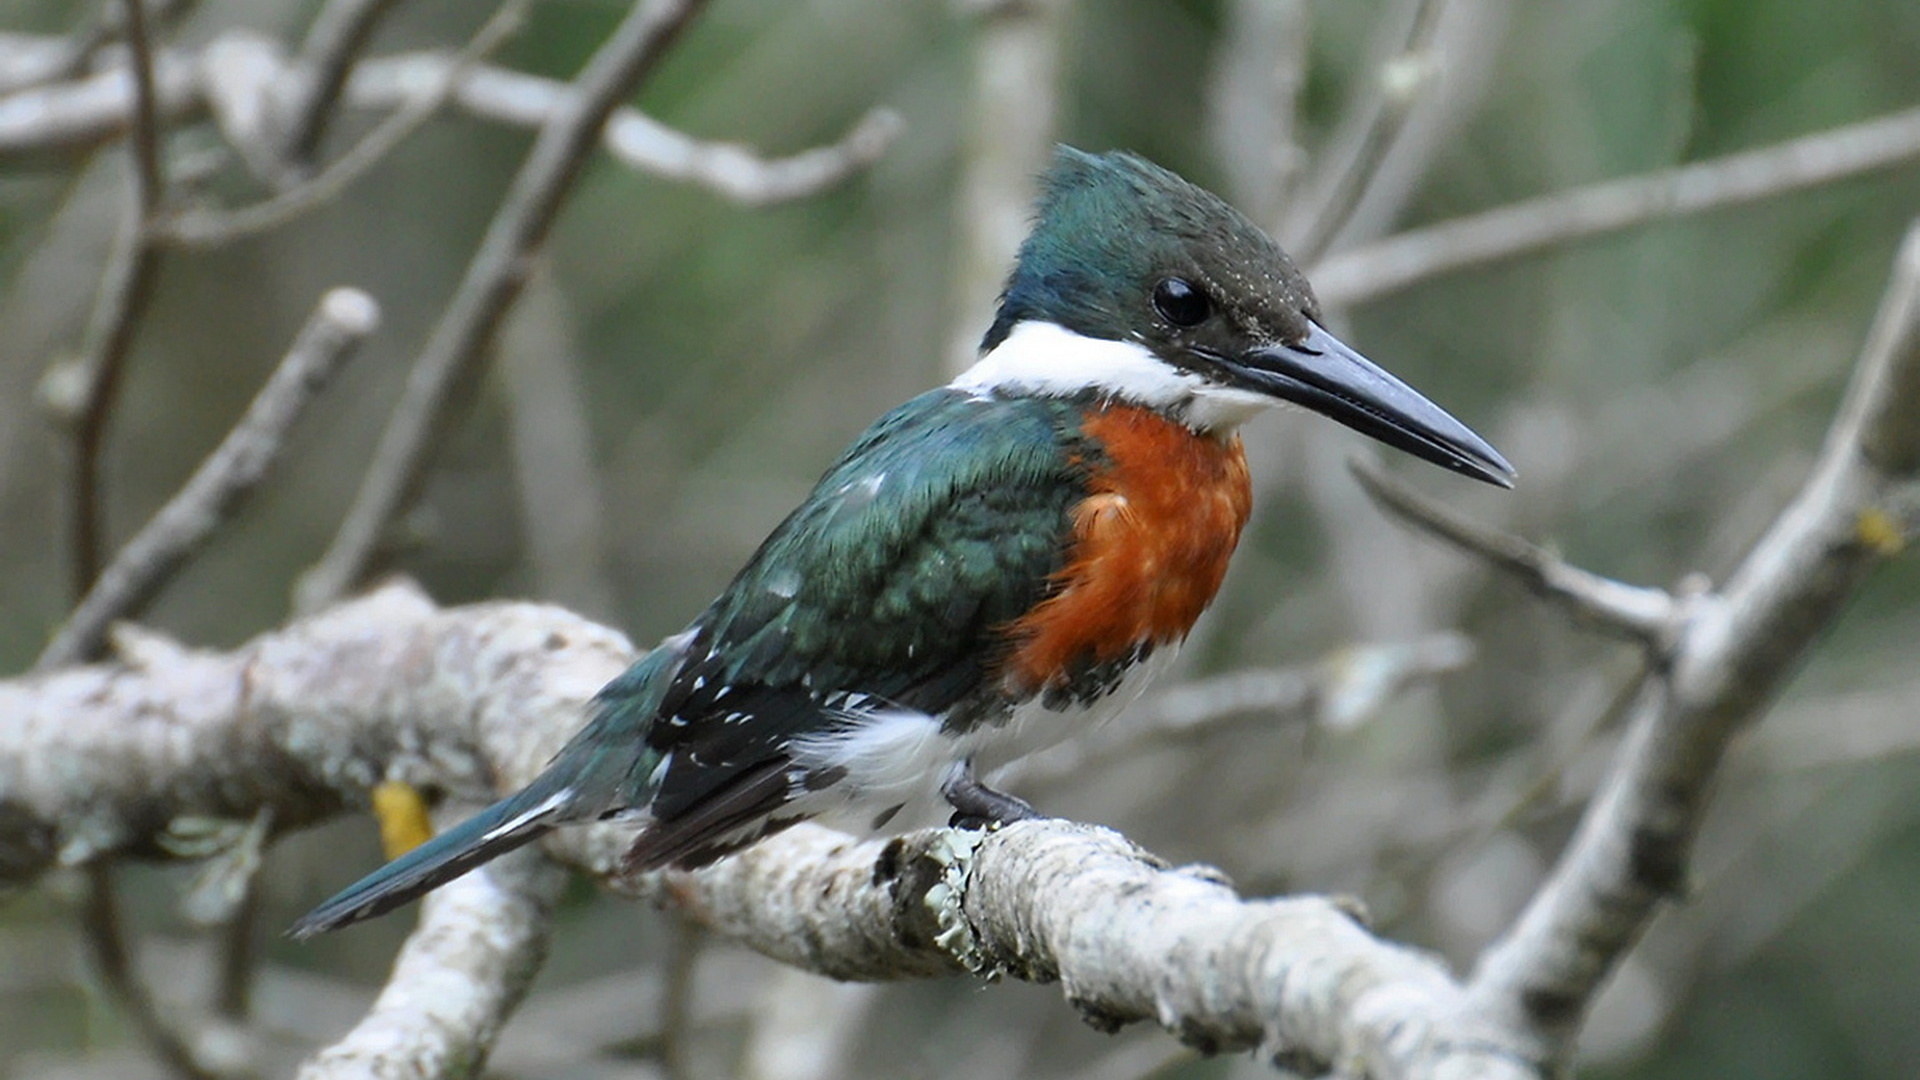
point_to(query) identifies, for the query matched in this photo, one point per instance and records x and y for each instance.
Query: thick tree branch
(462, 972)
(1727, 663)
(473, 700)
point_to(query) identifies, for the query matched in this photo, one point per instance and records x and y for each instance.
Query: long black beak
(1326, 376)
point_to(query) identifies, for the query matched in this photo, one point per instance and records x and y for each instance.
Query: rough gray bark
(306, 719)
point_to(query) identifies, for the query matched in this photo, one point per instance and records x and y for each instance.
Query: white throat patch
(1047, 359)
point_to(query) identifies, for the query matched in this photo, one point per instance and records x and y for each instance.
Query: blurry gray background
(683, 367)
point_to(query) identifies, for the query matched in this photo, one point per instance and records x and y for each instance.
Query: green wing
(943, 523)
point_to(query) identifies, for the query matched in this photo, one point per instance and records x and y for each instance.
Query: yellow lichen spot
(402, 813)
(1879, 531)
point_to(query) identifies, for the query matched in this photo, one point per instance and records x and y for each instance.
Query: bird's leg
(977, 806)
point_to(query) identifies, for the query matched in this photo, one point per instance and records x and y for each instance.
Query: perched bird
(989, 566)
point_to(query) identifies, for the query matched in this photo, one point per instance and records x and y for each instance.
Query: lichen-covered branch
(462, 972)
(100, 760)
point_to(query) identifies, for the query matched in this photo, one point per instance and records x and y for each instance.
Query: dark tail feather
(605, 768)
(513, 821)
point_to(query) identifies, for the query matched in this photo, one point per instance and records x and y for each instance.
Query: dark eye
(1181, 302)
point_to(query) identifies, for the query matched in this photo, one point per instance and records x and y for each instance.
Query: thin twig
(687, 942)
(454, 353)
(212, 228)
(1253, 103)
(633, 138)
(236, 68)
(1632, 611)
(1369, 129)
(125, 290)
(340, 32)
(1341, 691)
(1013, 106)
(343, 319)
(1364, 273)
(1728, 662)
(145, 135)
(105, 934)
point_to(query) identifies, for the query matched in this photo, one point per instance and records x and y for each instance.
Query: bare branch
(1727, 664)
(104, 931)
(1633, 611)
(339, 34)
(1368, 130)
(1013, 107)
(92, 384)
(306, 719)
(1362, 274)
(242, 460)
(211, 228)
(1296, 979)
(1342, 691)
(636, 139)
(1253, 103)
(453, 355)
(236, 73)
(126, 289)
(29, 60)
(145, 133)
(81, 114)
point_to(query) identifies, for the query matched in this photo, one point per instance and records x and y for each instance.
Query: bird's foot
(977, 806)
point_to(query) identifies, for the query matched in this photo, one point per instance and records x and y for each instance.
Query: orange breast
(1151, 543)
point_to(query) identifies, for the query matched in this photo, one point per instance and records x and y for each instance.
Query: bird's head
(1135, 284)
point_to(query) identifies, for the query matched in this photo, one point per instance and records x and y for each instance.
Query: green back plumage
(943, 523)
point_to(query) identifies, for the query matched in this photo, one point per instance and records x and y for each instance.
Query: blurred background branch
(456, 350)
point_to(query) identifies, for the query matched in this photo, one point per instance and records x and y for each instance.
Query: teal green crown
(1110, 225)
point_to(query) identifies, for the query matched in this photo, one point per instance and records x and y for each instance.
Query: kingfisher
(989, 566)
